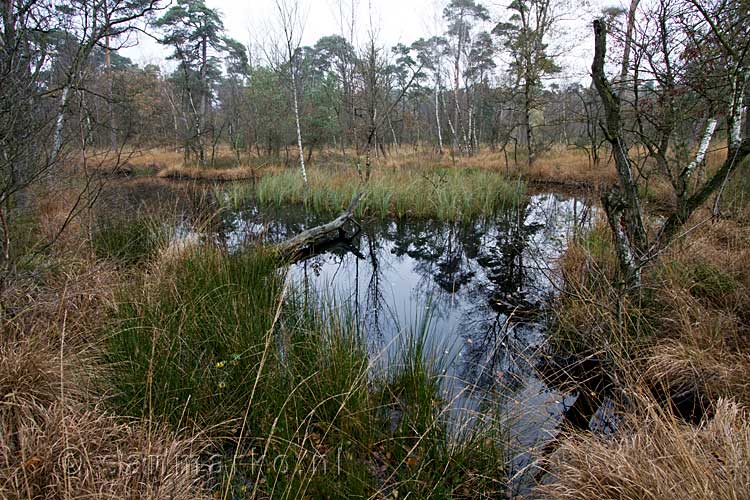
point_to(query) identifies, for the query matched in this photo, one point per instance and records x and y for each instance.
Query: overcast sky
(251, 21)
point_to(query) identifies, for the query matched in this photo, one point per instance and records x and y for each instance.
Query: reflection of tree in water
(486, 271)
(483, 263)
(501, 352)
(494, 267)
(272, 225)
(374, 298)
(496, 344)
(442, 251)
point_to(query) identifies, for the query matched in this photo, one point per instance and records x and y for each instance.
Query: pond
(479, 291)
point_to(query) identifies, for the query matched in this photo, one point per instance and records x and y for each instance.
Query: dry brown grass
(560, 166)
(704, 292)
(685, 337)
(565, 166)
(684, 365)
(689, 328)
(132, 158)
(56, 439)
(656, 456)
(156, 156)
(55, 442)
(158, 159)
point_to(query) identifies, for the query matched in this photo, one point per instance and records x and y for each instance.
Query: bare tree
(292, 26)
(687, 29)
(44, 49)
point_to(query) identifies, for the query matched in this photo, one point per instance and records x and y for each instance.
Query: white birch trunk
(470, 139)
(299, 128)
(437, 118)
(703, 148)
(60, 124)
(393, 133)
(626, 254)
(453, 130)
(736, 132)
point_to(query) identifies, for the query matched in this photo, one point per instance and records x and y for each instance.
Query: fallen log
(310, 241)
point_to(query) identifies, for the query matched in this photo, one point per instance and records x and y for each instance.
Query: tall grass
(208, 174)
(288, 391)
(677, 355)
(436, 457)
(128, 240)
(57, 438)
(658, 456)
(683, 329)
(448, 194)
(186, 348)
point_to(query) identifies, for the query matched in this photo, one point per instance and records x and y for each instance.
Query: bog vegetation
(141, 356)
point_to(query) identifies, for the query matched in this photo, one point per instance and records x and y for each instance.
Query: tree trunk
(437, 119)
(621, 204)
(628, 40)
(60, 123)
(297, 123)
(393, 133)
(110, 85)
(527, 121)
(204, 98)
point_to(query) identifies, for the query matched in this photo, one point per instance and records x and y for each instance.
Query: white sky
(251, 21)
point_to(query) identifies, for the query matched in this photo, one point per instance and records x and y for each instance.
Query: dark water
(482, 289)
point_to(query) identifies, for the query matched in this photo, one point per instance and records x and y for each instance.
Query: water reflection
(485, 285)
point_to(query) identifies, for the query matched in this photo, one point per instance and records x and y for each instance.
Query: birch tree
(678, 38)
(430, 54)
(461, 16)
(292, 27)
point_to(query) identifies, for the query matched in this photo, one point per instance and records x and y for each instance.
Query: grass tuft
(447, 194)
(209, 174)
(658, 456)
(187, 347)
(209, 345)
(128, 241)
(55, 443)
(676, 353)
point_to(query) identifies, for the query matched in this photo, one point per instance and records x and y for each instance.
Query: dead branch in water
(314, 238)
